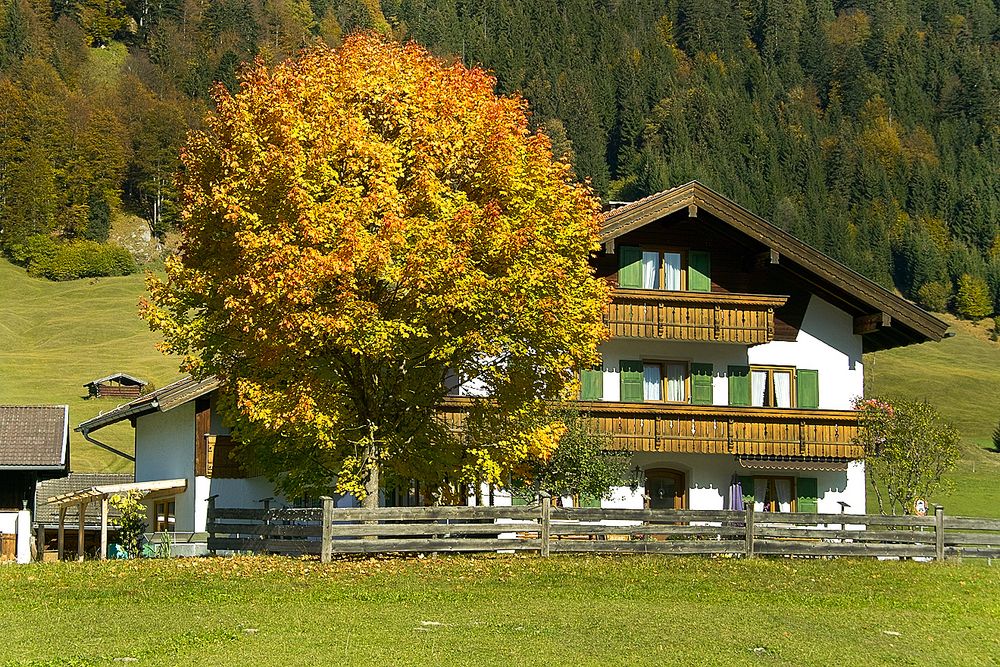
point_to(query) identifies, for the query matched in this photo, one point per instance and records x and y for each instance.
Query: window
(163, 515)
(774, 494)
(664, 268)
(654, 381)
(773, 387)
(778, 493)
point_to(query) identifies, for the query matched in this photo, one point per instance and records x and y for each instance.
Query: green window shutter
(807, 496)
(807, 388)
(587, 500)
(701, 384)
(746, 484)
(629, 266)
(699, 271)
(591, 385)
(739, 385)
(631, 381)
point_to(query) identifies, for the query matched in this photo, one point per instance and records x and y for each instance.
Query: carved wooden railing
(746, 319)
(696, 429)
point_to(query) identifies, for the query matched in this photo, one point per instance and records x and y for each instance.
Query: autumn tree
(359, 226)
(908, 450)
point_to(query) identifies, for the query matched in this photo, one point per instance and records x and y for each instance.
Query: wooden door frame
(669, 472)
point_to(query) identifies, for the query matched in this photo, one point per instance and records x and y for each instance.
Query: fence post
(326, 548)
(546, 513)
(749, 528)
(939, 532)
(210, 521)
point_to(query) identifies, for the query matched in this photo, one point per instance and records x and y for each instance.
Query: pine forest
(870, 129)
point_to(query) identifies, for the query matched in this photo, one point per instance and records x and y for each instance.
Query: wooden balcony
(744, 319)
(696, 429)
(221, 463)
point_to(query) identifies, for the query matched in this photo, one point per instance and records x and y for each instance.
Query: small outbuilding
(34, 446)
(118, 385)
(47, 516)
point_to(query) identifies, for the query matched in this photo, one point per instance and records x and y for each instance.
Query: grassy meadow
(960, 376)
(54, 337)
(579, 610)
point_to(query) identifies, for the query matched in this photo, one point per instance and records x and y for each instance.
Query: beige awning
(792, 465)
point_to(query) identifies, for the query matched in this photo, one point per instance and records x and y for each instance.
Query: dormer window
(662, 268)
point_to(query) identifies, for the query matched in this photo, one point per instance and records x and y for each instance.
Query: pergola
(83, 497)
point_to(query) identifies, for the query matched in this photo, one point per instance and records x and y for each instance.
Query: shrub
(996, 438)
(996, 328)
(934, 296)
(131, 521)
(51, 258)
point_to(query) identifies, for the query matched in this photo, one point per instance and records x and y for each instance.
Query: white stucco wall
(164, 449)
(8, 522)
(709, 475)
(826, 342)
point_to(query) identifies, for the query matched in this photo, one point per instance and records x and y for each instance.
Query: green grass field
(960, 376)
(500, 610)
(56, 336)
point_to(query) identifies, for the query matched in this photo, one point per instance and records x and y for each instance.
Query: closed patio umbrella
(736, 494)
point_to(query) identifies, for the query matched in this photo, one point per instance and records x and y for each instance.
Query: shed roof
(152, 489)
(34, 437)
(909, 323)
(162, 400)
(49, 514)
(123, 378)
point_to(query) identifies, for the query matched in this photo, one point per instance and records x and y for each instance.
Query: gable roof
(162, 400)
(905, 322)
(46, 513)
(34, 437)
(118, 377)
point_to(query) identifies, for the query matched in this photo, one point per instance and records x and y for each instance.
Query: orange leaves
(360, 222)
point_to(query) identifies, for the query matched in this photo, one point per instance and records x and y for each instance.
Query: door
(666, 489)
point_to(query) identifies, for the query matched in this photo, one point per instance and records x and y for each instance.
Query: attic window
(672, 269)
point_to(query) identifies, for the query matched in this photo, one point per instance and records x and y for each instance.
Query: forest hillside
(867, 128)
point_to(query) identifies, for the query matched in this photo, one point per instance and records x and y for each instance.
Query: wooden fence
(546, 529)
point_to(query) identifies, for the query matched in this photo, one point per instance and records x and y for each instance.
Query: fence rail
(546, 529)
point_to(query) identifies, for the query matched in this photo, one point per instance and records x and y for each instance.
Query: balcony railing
(696, 429)
(746, 319)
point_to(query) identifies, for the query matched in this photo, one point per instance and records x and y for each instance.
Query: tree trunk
(370, 477)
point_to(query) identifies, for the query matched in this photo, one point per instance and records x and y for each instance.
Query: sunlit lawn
(501, 611)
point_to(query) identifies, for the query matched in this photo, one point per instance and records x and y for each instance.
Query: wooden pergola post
(81, 532)
(61, 541)
(104, 528)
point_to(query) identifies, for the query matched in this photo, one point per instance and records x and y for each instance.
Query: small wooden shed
(118, 385)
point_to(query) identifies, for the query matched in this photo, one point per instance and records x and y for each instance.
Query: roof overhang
(162, 400)
(149, 490)
(885, 320)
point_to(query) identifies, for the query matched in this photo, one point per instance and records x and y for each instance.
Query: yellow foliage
(358, 222)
